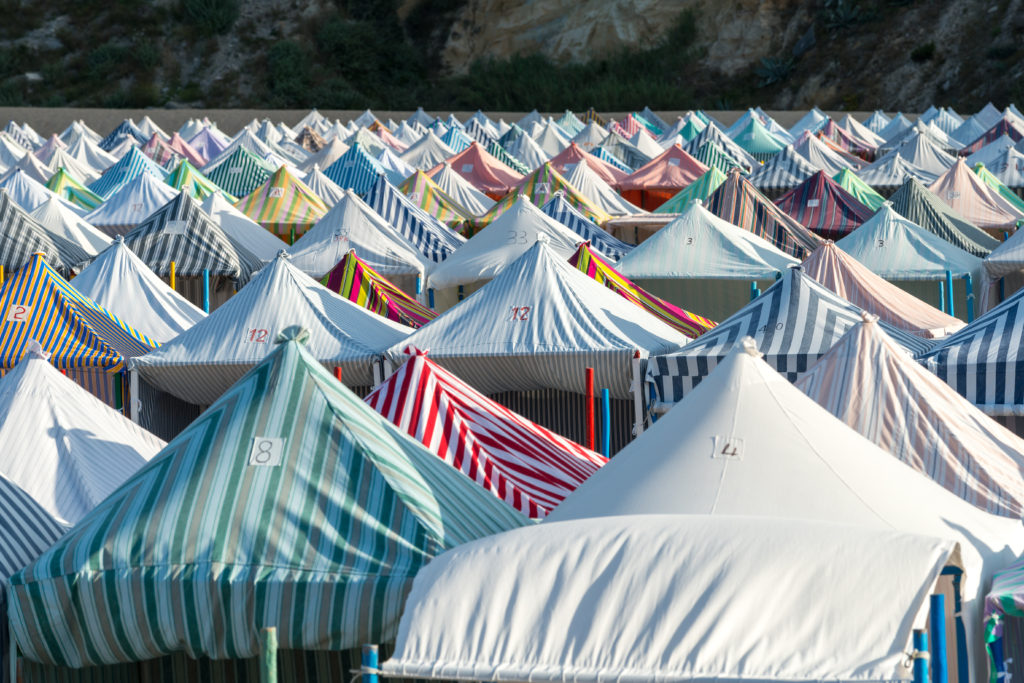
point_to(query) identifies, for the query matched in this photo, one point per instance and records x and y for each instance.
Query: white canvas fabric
(119, 281)
(63, 446)
(551, 138)
(814, 150)
(594, 188)
(79, 171)
(891, 170)
(525, 150)
(428, 152)
(811, 121)
(462, 191)
(259, 241)
(132, 204)
(323, 187)
(488, 252)
(670, 598)
(30, 194)
(327, 155)
(991, 152)
(395, 169)
(57, 219)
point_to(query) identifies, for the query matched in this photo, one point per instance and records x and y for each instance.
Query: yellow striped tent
(429, 196)
(284, 205)
(540, 186)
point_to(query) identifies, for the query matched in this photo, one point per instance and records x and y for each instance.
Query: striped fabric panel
(794, 322)
(540, 187)
(819, 204)
(475, 131)
(846, 141)
(459, 140)
(589, 263)
(523, 464)
(499, 153)
(1004, 127)
(239, 173)
(123, 172)
(355, 170)
(283, 204)
(73, 191)
(699, 189)
(601, 241)
(713, 156)
(860, 190)
(914, 202)
(355, 280)
(607, 157)
(124, 128)
(21, 237)
(188, 177)
(783, 172)
(201, 547)
(428, 196)
(997, 185)
(433, 239)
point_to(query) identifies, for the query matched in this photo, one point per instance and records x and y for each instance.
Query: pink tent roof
(390, 140)
(969, 196)
(850, 279)
(529, 467)
(673, 169)
(566, 160)
(482, 170)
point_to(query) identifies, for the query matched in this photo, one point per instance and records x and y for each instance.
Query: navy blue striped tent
(128, 167)
(984, 361)
(477, 132)
(355, 169)
(794, 322)
(125, 129)
(565, 213)
(21, 236)
(431, 237)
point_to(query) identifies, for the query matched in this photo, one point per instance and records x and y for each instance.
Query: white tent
(201, 363)
(593, 187)
(323, 187)
(462, 191)
(525, 150)
(811, 121)
(30, 194)
(63, 446)
(119, 281)
(131, 204)
(395, 169)
(820, 156)
(259, 241)
(428, 152)
(551, 138)
(991, 152)
(35, 169)
(78, 170)
(88, 152)
(57, 219)
(327, 155)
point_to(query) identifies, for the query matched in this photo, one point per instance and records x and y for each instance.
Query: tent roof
(755, 139)
(525, 150)
(914, 202)
(854, 282)
(57, 219)
(783, 171)
(713, 133)
(428, 152)
(356, 169)
(821, 205)
(563, 322)
(673, 169)
(132, 203)
(529, 467)
(859, 189)
(892, 170)
(869, 383)
(565, 213)
(699, 189)
(699, 244)
(187, 177)
(67, 187)
(566, 160)
(820, 155)
(127, 168)
(327, 155)
(482, 170)
(21, 237)
(395, 169)
(462, 190)
(380, 503)
(328, 191)
(356, 281)
(283, 203)
(426, 195)
(238, 173)
(970, 197)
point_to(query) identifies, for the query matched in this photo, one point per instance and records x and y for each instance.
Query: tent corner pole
(942, 296)
(920, 656)
(968, 286)
(949, 293)
(606, 424)
(134, 400)
(937, 628)
(268, 655)
(12, 671)
(370, 664)
(638, 396)
(589, 385)
(206, 290)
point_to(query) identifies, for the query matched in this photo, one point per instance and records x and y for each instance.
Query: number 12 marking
(520, 313)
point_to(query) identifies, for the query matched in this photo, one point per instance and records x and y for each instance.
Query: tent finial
(293, 333)
(749, 347)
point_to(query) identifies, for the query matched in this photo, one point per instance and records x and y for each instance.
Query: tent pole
(268, 655)
(337, 373)
(460, 293)
(638, 396)
(133, 395)
(606, 423)
(970, 297)
(371, 662)
(937, 627)
(12, 655)
(119, 392)
(206, 290)
(754, 291)
(920, 656)
(590, 408)
(1, 276)
(1002, 289)
(949, 293)
(419, 285)
(942, 296)
(174, 268)
(430, 298)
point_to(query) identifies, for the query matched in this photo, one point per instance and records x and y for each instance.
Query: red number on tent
(18, 313)
(258, 336)
(520, 313)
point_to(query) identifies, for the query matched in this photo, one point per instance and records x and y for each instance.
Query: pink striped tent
(847, 141)
(968, 195)
(1005, 126)
(822, 205)
(573, 155)
(530, 468)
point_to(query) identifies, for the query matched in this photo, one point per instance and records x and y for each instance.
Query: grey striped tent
(21, 236)
(916, 203)
(889, 173)
(714, 134)
(565, 213)
(288, 504)
(201, 363)
(782, 173)
(794, 322)
(431, 237)
(239, 173)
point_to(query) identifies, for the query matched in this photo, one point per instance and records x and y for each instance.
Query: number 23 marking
(520, 313)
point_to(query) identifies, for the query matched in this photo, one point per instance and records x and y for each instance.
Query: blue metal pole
(754, 291)
(949, 293)
(937, 627)
(921, 661)
(995, 649)
(460, 293)
(968, 286)
(606, 424)
(419, 284)
(206, 290)
(942, 296)
(370, 664)
(430, 297)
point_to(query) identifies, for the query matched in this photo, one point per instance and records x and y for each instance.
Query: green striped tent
(67, 187)
(499, 153)
(540, 186)
(289, 503)
(187, 177)
(860, 190)
(427, 195)
(712, 155)
(239, 173)
(701, 189)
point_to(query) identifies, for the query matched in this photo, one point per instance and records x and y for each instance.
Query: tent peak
(296, 333)
(868, 317)
(748, 346)
(33, 349)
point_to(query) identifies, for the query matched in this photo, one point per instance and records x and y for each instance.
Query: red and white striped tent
(529, 467)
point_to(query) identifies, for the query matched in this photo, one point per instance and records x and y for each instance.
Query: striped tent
(127, 168)
(823, 155)
(458, 140)
(527, 466)
(162, 150)
(847, 141)
(323, 187)
(570, 123)
(998, 187)
(126, 128)
(432, 238)
(1006, 126)
(238, 173)
(1009, 168)
(131, 204)
(966, 194)
(602, 242)
(854, 282)
(506, 159)
(609, 158)
(356, 281)
(858, 189)
(298, 452)
(653, 184)
(783, 172)
(426, 194)
(738, 202)
(794, 323)
(593, 266)
(539, 187)
(889, 173)
(21, 237)
(68, 188)
(591, 116)
(188, 178)
(821, 205)
(925, 152)
(482, 170)
(284, 205)
(989, 153)
(462, 191)
(356, 169)
(202, 362)
(700, 189)
(712, 155)
(914, 202)
(755, 139)
(712, 133)
(867, 381)
(566, 160)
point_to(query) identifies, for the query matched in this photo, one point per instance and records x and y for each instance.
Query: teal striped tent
(355, 170)
(239, 173)
(127, 169)
(289, 503)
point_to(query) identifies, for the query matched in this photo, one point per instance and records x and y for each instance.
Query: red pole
(590, 408)
(337, 373)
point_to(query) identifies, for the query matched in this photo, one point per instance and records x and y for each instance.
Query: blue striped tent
(502, 155)
(431, 237)
(794, 322)
(125, 129)
(355, 169)
(607, 157)
(459, 140)
(124, 171)
(477, 132)
(289, 503)
(565, 213)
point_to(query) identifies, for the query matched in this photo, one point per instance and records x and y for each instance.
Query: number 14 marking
(520, 313)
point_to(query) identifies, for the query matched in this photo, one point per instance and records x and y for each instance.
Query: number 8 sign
(17, 313)
(266, 451)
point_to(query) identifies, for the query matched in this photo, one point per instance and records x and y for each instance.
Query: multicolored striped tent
(867, 381)
(188, 178)
(527, 466)
(21, 237)
(426, 194)
(1006, 126)
(968, 196)
(700, 189)
(356, 169)
(914, 202)
(284, 205)
(657, 181)
(331, 511)
(712, 155)
(689, 324)
(68, 188)
(432, 238)
(128, 167)
(712, 133)
(239, 173)
(821, 205)
(1009, 168)
(846, 140)
(126, 128)
(601, 241)
(794, 322)
(737, 201)
(162, 150)
(539, 187)
(860, 190)
(355, 280)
